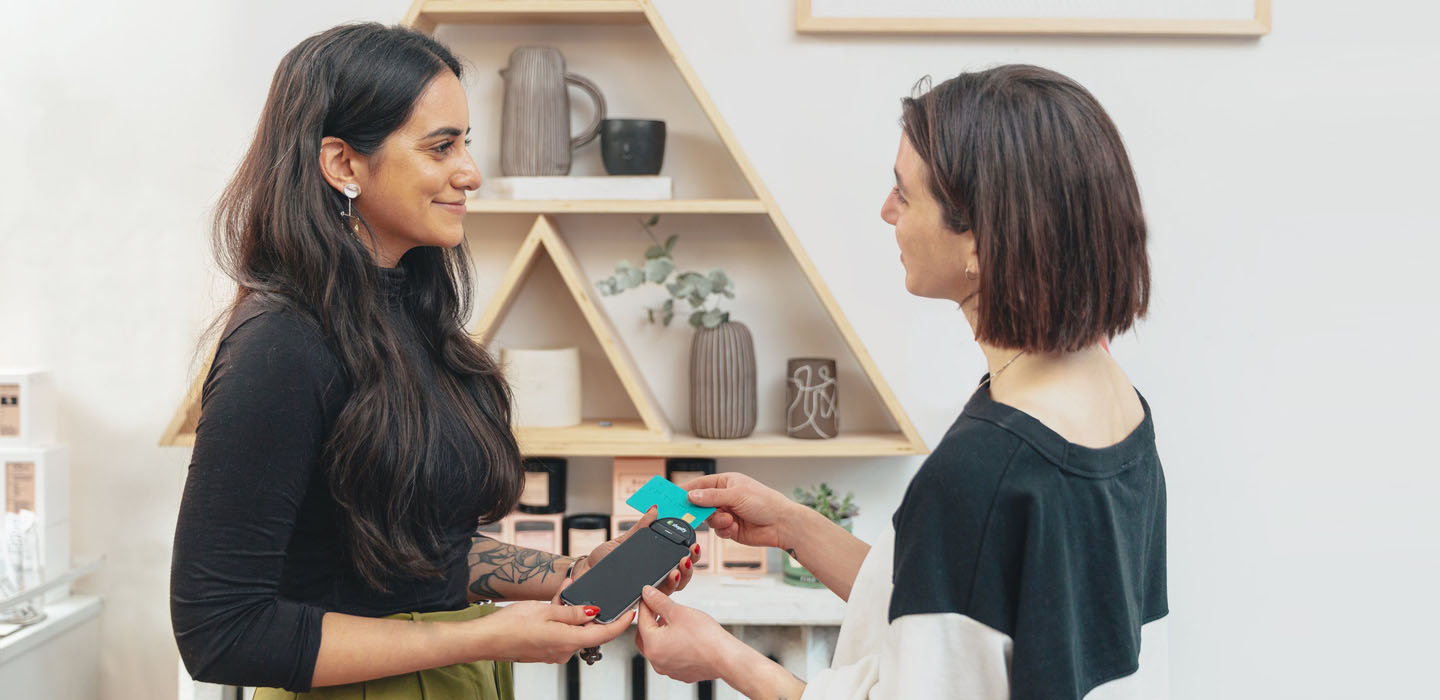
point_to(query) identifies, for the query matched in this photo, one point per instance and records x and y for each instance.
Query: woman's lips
(452, 207)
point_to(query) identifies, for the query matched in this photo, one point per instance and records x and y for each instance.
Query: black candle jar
(632, 146)
(584, 532)
(680, 470)
(544, 490)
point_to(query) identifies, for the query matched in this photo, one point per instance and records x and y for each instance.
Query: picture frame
(1232, 18)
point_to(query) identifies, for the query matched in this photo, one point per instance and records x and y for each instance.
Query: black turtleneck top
(258, 555)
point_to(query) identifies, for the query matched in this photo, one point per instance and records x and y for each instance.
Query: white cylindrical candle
(546, 385)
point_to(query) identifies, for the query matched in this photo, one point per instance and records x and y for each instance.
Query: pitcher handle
(593, 129)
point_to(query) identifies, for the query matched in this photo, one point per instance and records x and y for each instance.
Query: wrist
(737, 662)
(793, 526)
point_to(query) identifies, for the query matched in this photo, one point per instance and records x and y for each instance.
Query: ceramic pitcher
(535, 129)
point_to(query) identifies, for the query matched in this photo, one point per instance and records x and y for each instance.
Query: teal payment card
(670, 502)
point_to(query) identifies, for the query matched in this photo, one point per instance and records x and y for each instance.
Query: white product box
(566, 187)
(27, 407)
(38, 479)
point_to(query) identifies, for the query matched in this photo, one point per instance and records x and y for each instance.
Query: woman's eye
(467, 141)
(899, 197)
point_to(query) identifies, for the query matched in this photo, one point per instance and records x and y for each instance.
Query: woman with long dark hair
(352, 435)
(1027, 559)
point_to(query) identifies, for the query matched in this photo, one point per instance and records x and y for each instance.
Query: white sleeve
(946, 656)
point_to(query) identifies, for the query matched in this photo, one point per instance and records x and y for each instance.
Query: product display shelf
(616, 206)
(427, 14)
(629, 437)
(651, 435)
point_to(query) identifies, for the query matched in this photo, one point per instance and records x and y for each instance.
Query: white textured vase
(546, 385)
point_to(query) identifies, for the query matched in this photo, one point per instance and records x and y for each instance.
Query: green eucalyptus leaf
(669, 306)
(696, 300)
(670, 242)
(654, 251)
(712, 318)
(634, 277)
(727, 318)
(658, 269)
(703, 287)
(654, 219)
(650, 314)
(668, 317)
(697, 318)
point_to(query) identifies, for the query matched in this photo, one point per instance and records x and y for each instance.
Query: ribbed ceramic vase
(722, 382)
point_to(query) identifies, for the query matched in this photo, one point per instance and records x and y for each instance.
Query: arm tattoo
(495, 563)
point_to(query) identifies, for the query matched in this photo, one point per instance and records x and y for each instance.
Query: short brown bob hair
(1027, 160)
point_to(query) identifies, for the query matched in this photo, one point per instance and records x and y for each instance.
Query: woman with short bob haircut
(1027, 559)
(352, 435)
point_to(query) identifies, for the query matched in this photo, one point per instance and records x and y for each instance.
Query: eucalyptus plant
(702, 292)
(824, 501)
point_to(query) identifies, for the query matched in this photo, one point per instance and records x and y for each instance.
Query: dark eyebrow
(445, 131)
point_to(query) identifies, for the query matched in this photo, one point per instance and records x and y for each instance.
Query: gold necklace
(1003, 367)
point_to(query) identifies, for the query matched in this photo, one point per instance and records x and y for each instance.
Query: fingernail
(696, 549)
(634, 616)
(677, 577)
(591, 611)
(687, 562)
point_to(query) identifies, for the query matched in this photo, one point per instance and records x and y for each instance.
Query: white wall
(1288, 183)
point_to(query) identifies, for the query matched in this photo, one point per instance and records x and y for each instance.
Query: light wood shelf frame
(544, 239)
(806, 22)
(651, 435)
(616, 206)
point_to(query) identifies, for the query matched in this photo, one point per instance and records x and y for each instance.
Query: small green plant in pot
(723, 400)
(822, 500)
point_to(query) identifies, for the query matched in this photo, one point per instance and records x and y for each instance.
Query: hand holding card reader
(644, 559)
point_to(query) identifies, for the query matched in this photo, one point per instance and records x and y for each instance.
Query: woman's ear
(969, 254)
(340, 165)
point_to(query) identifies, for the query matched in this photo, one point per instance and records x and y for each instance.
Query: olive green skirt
(477, 680)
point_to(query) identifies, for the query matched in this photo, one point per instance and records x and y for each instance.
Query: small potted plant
(822, 500)
(722, 355)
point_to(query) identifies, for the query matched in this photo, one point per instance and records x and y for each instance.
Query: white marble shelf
(762, 601)
(59, 617)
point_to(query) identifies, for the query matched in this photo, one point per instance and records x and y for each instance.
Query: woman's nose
(888, 211)
(468, 176)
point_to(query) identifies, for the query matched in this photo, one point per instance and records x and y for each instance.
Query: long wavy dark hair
(279, 234)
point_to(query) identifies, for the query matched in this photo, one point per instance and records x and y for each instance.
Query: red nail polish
(696, 548)
(592, 611)
(687, 563)
(677, 577)
(635, 616)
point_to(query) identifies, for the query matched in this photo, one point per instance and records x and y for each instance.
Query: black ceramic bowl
(632, 146)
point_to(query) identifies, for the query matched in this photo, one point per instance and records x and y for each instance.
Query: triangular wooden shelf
(638, 438)
(545, 240)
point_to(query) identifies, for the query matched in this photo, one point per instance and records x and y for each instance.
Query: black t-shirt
(258, 555)
(1059, 547)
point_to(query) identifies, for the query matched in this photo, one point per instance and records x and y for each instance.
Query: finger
(647, 623)
(644, 522)
(600, 633)
(730, 532)
(716, 497)
(563, 585)
(687, 571)
(657, 602)
(695, 553)
(721, 519)
(573, 614)
(708, 481)
(671, 582)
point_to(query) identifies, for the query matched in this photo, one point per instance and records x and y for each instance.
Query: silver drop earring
(351, 191)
